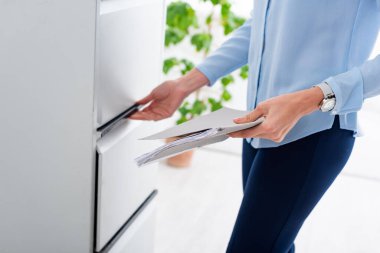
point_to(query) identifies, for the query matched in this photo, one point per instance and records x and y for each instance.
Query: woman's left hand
(281, 114)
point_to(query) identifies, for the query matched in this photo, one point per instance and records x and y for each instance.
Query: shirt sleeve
(230, 56)
(351, 88)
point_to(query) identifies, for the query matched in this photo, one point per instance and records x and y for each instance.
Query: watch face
(328, 105)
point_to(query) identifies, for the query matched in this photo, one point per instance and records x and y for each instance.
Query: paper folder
(198, 132)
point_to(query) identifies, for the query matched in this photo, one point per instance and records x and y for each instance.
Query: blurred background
(198, 204)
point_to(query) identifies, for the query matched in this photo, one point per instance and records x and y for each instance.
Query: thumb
(252, 116)
(145, 100)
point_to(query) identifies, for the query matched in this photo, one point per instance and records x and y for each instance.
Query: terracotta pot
(181, 160)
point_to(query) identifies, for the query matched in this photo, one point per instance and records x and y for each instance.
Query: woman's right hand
(168, 96)
(164, 101)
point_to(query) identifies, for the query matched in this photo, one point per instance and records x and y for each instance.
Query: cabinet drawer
(129, 53)
(122, 186)
(138, 235)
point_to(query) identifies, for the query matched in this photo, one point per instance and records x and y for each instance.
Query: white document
(198, 132)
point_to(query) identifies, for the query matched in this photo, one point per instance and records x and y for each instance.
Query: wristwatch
(329, 101)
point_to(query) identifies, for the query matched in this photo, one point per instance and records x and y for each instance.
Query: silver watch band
(329, 101)
(326, 89)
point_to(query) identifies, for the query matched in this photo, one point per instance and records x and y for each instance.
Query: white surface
(364, 161)
(46, 105)
(130, 53)
(198, 205)
(122, 185)
(139, 237)
(345, 221)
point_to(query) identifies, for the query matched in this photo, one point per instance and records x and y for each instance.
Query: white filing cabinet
(130, 35)
(70, 73)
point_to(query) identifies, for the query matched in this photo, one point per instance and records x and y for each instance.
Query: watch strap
(326, 89)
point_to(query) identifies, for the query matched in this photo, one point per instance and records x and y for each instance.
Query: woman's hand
(167, 97)
(281, 114)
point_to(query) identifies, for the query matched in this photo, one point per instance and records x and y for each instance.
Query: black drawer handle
(113, 122)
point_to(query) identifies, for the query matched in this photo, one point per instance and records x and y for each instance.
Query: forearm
(192, 81)
(309, 100)
(231, 55)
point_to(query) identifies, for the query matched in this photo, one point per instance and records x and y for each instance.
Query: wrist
(192, 81)
(310, 99)
(329, 100)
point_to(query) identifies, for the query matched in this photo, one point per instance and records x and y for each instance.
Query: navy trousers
(281, 187)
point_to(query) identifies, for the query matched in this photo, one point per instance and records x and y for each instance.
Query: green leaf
(230, 20)
(227, 80)
(173, 36)
(214, 2)
(226, 96)
(181, 120)
(183, 110)
(186, 66)
(182, 16)
(198, 107)
(215, 105)
(244, 72)
(209, 19)
(225, 9)
(201, 41)
(169, 64)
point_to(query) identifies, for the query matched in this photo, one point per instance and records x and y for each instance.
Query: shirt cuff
(348, 90)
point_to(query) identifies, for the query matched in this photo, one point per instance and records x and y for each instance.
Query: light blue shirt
(291, 45)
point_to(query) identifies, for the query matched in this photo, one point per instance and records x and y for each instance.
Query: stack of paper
(201, 131)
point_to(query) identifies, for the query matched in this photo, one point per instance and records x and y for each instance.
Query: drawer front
(122, 186)
(129, 53)
(139, 236)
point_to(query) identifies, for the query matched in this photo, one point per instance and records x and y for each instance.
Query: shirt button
(334, 112)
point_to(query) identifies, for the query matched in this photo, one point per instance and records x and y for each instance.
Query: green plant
(182, 22)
